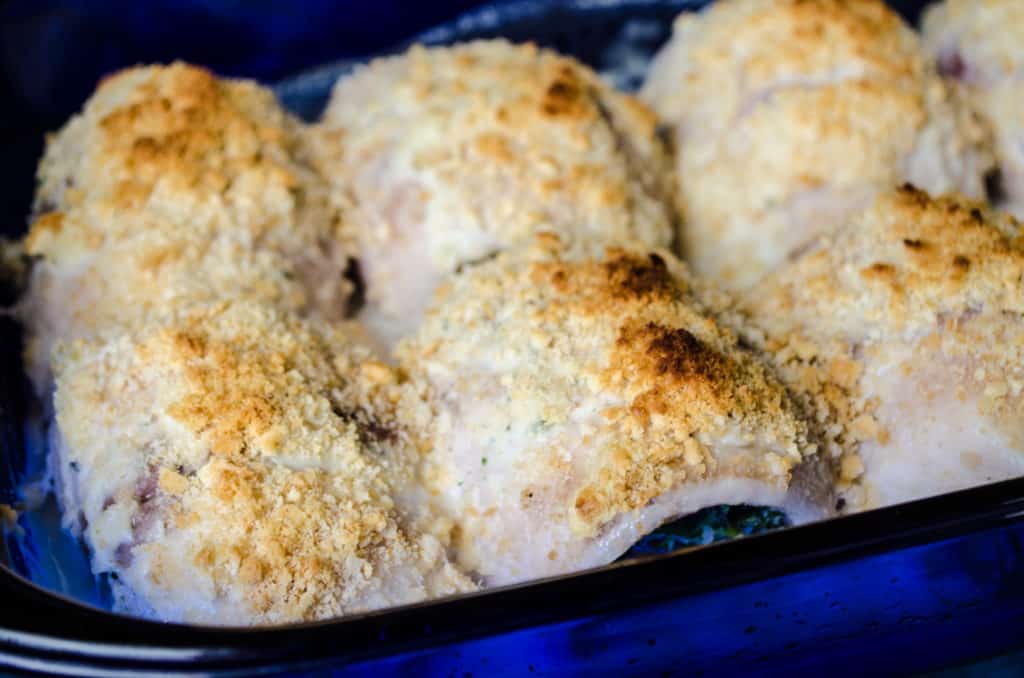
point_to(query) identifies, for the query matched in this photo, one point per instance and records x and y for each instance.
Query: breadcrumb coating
(894, 329)
(790, 115)
(236, 465)
(899, 268)
(173, 187)
(450, 154)
(977, 45)
(179, 142)
(570, 398)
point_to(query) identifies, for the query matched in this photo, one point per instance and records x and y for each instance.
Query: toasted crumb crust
(943, 275)
(901, 267)
(501, 141)
(171, 188)
(620, 340)
(236, 465)
(179, 142)
(176, 155)
(790, 114)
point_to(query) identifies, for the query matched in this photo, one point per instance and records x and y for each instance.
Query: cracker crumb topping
(939, 279)
(626, 344)
(260, 469)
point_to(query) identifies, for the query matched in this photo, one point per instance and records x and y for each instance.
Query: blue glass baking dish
(908, 588)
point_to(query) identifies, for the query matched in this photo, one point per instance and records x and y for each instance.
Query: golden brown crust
(624, 340)
(902, 267)
(171, 188)
(246, 445)
(151, 132)
(471, 149)
(174, 149)
(912, 275)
